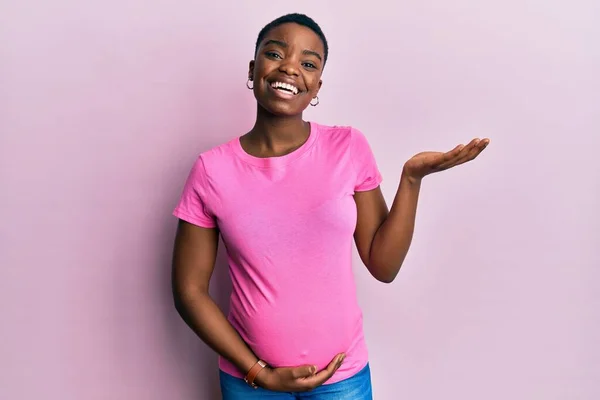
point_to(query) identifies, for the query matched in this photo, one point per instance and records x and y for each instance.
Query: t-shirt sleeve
(193, 206)
(368, 176)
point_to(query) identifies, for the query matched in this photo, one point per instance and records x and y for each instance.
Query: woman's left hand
(428, 162)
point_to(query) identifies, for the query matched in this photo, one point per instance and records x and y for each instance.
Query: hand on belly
(297, 379)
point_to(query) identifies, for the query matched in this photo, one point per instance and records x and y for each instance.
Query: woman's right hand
(297, 379)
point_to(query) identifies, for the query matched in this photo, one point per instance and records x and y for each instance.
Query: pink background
(104, 106)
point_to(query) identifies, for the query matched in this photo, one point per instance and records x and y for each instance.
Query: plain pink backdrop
(105, 105)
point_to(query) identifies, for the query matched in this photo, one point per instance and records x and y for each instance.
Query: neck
(274, 133)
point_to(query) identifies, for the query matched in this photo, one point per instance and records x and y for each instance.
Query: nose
(289, 66)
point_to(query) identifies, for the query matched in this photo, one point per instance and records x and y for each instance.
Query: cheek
(313, 85)
(262, 67)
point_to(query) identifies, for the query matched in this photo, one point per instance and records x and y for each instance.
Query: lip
(289, 81)
(280, 94)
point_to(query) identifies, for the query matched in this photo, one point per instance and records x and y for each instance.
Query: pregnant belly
(308, 332)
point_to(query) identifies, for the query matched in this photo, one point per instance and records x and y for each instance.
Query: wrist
(254, 372)
(410, 179)
(264, 378)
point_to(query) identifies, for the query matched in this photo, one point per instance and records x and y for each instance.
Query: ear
(251, 70)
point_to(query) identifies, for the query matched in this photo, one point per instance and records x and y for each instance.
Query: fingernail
(313, 369)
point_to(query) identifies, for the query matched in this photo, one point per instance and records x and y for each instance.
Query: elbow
(383, 265)
(179, 302)
(384, 273)
(184, 296)
(387, 278)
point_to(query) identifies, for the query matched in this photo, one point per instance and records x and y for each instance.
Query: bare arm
(383, 238)
(194, 258)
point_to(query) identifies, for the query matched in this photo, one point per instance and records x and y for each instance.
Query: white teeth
(287, 86)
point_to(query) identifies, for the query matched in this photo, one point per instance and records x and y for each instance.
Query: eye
(309, 65)
(272, 54)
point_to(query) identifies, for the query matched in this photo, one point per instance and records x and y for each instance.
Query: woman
(288, 197)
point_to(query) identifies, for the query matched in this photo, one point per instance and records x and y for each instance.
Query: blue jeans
(357, 387)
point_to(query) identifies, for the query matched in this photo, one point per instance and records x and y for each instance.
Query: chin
(282, 110)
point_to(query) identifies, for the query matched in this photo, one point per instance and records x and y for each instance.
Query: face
(287, 69)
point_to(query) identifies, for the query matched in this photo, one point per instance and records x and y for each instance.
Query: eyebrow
(285, 45)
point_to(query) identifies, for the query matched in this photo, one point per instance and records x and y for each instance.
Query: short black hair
(295, 18)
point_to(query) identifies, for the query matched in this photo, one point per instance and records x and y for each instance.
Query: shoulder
(208, 163)
(337, 135)
(217, 154)
(342, 136)
(215, 157)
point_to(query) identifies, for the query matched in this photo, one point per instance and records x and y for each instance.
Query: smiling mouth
(285, 88)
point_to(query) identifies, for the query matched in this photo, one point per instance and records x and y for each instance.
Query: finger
(322, 376)
(477, 149)
(303, 371)
(438, 161)
(468, 153)
(472, 154)
(450, 155)
(455, 151)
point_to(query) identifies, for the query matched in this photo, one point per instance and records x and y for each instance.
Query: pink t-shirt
(287, 223)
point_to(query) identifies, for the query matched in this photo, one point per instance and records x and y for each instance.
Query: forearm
(393, 238)
(207, 320)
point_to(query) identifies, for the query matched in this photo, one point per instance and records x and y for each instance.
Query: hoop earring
(315, 104)
(248, 84)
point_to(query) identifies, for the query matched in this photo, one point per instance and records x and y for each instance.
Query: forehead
(296, 35)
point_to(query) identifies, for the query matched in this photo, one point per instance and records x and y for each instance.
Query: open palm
(428, 162)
